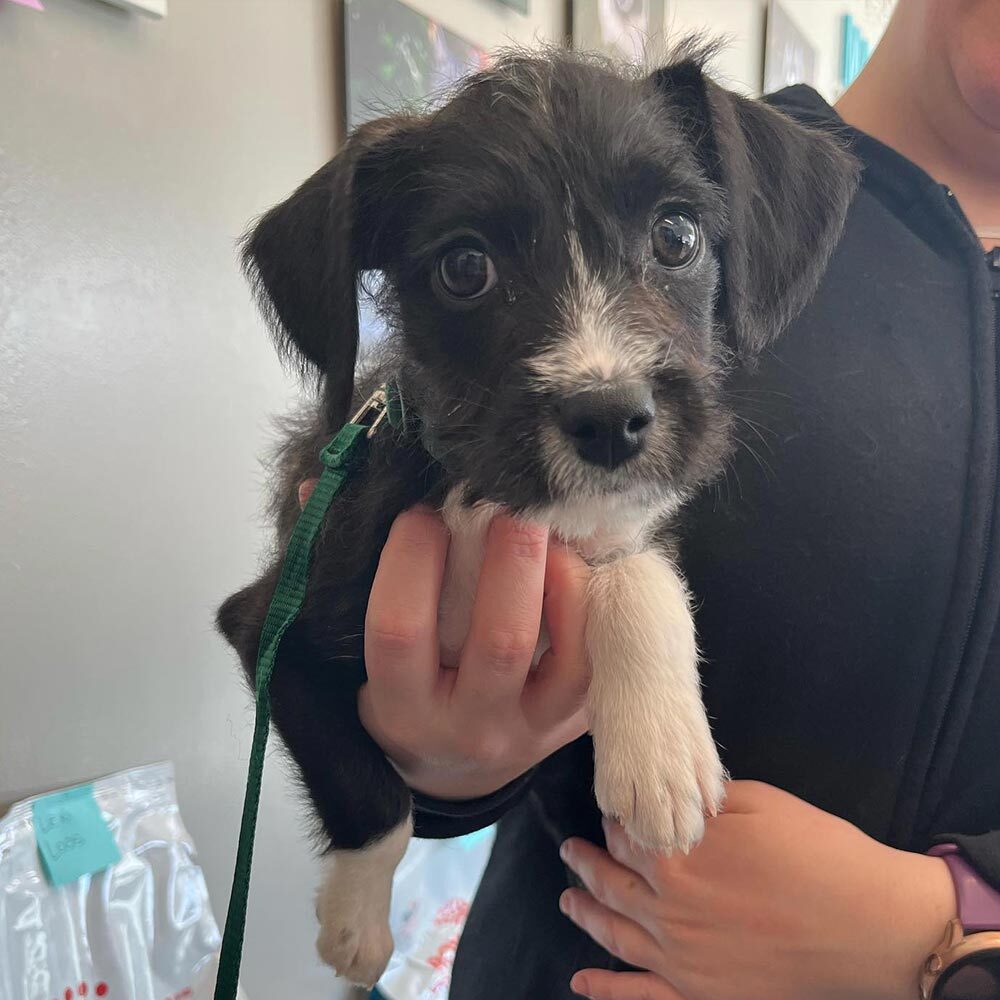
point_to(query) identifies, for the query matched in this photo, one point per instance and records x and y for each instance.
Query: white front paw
(354, 936)
(352, 906)
(710, 773)
(660, 789)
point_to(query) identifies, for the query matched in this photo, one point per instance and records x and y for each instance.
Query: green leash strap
(340, 457)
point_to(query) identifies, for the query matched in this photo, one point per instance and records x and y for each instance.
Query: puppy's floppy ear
(303, 257)
(787, 190)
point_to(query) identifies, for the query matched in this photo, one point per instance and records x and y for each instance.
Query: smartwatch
(966, 964)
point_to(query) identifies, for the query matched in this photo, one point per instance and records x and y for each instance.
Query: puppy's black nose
(607, 426)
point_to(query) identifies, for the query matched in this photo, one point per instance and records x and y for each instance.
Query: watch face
(974, 977)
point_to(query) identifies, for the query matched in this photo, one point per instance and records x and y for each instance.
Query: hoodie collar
(897, 181)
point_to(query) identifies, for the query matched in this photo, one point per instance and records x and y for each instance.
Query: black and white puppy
(572, 259)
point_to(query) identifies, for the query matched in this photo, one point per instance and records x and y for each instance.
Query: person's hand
(780, 901)
(467, 732)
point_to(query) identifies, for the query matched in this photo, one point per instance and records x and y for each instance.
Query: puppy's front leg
(656, 766)
(361, 801)
(352, 906)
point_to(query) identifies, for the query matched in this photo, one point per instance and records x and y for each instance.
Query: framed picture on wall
(622, 29)
(154, 8)
(788, 56)
(397, 56)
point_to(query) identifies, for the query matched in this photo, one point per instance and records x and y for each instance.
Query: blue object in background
(73, 838)
(855, 50)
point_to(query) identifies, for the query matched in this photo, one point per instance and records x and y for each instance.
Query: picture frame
(789, 57)
(396, 56)
(621, 29)
(151, 8)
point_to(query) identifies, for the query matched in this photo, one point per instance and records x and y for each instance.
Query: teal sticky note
(73, 839)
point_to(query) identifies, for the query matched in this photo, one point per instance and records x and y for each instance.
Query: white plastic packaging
(433, 889)
(142, 929)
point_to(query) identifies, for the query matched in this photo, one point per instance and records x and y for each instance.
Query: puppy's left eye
(466, 272)
(676, 239)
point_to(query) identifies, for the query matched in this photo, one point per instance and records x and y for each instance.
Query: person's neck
(919, 111)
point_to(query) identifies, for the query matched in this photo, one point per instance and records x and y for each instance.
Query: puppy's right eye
(466, 272)
(675, 238)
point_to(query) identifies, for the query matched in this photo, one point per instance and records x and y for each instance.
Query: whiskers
(758, 438)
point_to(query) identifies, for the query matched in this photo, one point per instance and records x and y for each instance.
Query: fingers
(505, 620)
(650, 865)
(623, 937)
(306, 488)
(600, 984)
(608, 882)
(401, 642)
(557, 690)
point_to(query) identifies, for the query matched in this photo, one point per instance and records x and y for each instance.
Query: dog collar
(387, 405)
(384, 405)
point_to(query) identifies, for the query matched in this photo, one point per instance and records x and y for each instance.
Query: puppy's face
(569, 255)
(555, 285)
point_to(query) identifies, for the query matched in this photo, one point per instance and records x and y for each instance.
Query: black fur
(524, 152)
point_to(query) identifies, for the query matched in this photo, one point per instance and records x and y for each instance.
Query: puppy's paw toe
(710, 774)
(358, 953)
(661, 799)
(652, 812)
(352, 907)
(667, 820)
(353, 913)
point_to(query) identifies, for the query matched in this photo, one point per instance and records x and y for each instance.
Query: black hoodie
(846, 573)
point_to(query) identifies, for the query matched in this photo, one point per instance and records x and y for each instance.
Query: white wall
(136, 385)
(742, 22)
(821, 22)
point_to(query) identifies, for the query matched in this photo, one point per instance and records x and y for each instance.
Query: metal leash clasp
(374, 409)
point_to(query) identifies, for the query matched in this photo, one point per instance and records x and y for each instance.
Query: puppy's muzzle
(608, 425)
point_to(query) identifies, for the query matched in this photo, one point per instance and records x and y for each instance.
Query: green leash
(340, 458)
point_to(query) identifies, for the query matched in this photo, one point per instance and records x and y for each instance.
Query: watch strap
(978, 901)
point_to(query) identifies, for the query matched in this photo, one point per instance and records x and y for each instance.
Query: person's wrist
(455, 781)
(919, 900)
(432, 776)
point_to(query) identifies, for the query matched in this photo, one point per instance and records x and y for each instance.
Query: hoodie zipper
(993, 265)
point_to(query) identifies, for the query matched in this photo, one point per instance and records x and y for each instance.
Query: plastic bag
(432, 892)
(139, 930)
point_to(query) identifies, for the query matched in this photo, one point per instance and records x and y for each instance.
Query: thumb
(752, 797)
(599, 984)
